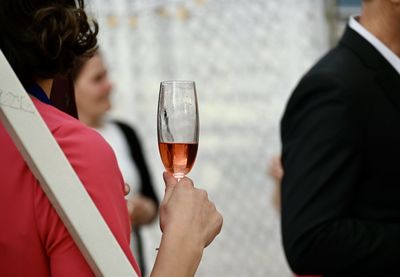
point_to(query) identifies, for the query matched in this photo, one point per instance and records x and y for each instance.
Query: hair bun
(45, 41)
(63, 32)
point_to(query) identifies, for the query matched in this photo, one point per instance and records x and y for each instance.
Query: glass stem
(179, 176)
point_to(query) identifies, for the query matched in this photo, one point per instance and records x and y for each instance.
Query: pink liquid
(178, 158)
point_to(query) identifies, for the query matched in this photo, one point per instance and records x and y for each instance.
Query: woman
(92, 91)
(41, 39)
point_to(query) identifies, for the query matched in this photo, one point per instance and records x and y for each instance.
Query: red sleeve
(95, 163)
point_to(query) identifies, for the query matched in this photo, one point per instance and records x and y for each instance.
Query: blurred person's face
(93, 88)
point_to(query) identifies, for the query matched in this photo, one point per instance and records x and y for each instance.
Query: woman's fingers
(215, 223)
(127, 189)
(170, 183)
(188, 210)
(169, 179)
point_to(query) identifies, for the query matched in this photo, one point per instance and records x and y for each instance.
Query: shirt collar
(388, 54)
(36, 91)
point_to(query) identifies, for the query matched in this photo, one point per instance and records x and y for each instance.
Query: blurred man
(341, 151)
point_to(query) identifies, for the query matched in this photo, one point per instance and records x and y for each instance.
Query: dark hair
(79, 63)
(43, 38)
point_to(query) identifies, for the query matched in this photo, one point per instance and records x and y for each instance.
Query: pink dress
(33, 240)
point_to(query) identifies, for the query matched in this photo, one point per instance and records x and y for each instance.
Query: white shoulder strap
(58, 179)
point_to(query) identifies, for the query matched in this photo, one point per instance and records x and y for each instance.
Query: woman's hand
(141, 210)
(187, 208)
(189, 222)
(275, 169)
(127, 189)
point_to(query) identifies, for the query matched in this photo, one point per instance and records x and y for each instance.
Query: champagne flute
(178, 126)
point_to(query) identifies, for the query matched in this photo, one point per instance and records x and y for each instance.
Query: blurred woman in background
(92, 91)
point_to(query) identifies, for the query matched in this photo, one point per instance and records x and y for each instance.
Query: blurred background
(246, 57)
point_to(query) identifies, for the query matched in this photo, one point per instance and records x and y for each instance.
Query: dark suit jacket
(341, 157)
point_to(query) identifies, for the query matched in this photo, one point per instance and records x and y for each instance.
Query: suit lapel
(390, 83)
(386, 76)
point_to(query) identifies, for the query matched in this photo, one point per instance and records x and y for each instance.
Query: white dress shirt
(388, 54)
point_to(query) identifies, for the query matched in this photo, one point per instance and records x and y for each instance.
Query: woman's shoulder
(73, 136)
(54, 118)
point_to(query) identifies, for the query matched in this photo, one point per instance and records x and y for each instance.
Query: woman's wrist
(184, 240)
(179, 254)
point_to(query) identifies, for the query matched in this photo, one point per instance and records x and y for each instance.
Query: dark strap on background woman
(136, 152)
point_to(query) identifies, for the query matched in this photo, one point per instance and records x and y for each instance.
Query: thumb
(170, 183)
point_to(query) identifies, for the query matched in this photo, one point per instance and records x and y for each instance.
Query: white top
(115, 137)
(117, 140)
(388, 54)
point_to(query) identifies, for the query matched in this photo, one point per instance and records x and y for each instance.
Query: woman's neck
(91, 121)
(46, 85)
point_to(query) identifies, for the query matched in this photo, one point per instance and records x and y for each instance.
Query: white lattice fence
(246, 57)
